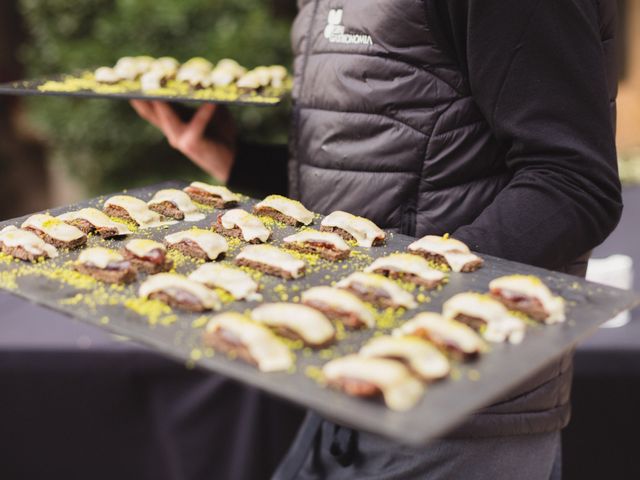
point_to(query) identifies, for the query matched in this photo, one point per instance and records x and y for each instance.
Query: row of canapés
(251, 338)
(197, 73)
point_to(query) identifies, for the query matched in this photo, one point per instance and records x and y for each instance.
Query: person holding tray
(492, 121)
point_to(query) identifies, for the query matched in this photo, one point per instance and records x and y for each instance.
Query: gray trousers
(325, 451)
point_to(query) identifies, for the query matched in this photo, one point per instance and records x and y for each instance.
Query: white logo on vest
(335, 31)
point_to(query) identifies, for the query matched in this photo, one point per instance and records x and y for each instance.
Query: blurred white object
(614, 271)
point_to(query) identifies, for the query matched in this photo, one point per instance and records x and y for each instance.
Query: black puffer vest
(385, 127)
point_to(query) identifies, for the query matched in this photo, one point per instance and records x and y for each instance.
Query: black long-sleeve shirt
(537, 73)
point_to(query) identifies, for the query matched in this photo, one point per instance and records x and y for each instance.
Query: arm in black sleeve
(537, 73)
(259, 170)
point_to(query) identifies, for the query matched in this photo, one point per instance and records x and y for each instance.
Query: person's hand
(214, 155)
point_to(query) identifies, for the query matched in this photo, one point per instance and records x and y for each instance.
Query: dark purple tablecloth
(77, 403)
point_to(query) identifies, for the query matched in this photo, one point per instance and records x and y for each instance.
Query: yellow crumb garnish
(199, 322)
(153, 310)
(314, 373)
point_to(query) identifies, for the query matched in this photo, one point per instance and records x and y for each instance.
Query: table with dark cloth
(78, 403)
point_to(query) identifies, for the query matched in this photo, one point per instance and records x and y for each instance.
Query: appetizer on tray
(91, 220)
(297, 322)
(25, 245)
(339, 305)
(284, 210)
(327, 245)
(362, 376)
(409, 268)
(378, 290)
(420, 356)
(452, 337)
(176, 204)
(237, 336)
(527, 294)
(105, 265)
(233, 280)
(147, 255)
(485, 315)
(198, 243)
(446, 252)
(241, 224)
(272, 261)
(54, 231)
(179, 292)
(132, 209)
(352, 228)
(212, 195)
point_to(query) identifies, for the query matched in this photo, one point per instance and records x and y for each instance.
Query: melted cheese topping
(250, 225)
(142, 247)
(182, 202)
(217, 190)
(340, 300)
(152, 80)
(311, 325)
(54, 227)
(400, 390)
(455, 252)
(450, 331)
(137, 210)
(99, 257)
(374, 281)
(96, 218)
(532, 287)
(269, 352)
(407, 263)
(500, 325)
(317, 236)
(422, 357)
(288, 207)
(211, 243)
(29, 241)
(274, 257)
(171, 282)
(362, 229)
(168, 65)
(233, 280)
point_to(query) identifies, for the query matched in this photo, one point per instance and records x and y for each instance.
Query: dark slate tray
(444, 405)
(228, 96)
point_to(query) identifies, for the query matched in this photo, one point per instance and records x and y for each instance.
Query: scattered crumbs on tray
(195, 354)
(473, 375)
(128, 223)
(6, 259)
(455, 374)
(200, 322)
(224, 296)
(104, 320)
(8, 280)
(271, 222)
(178, 258)
(153, 310)
(315, 373)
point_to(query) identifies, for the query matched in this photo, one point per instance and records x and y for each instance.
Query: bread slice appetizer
(54, 231)
(485, 315)
(297, 322)
(241, 224)
(378, 290)
(527, 294)
(237, 336)
(147, 255)
(446, 252)
(134, 210)
(284, 210)
(213, 195)
(272, 261)
(198, 243)
(25, 245)
(105, 265)
(355, 229)
(372, 377)
(179, 292)
(327, 245)
(339, 305)
(91, 220)
(233, 280)
(454, 338)
(407, 267)
(175, 204)
(420, 356)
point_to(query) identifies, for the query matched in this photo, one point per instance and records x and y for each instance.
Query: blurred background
(55, 151)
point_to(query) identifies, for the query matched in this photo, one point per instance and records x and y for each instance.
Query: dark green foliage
(103, 142)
